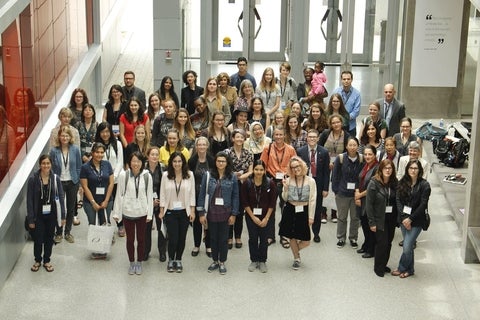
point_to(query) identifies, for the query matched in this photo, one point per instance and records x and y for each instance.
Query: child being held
(318, 80)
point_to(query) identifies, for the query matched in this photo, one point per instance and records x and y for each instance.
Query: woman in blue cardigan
(44, 192)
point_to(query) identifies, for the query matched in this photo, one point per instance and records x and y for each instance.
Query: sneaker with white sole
(222, 269)
(69, 238)
(296, 264)
(253, 266)
(354, 243)
(340, 244)
(138, 268)
(213, 267)
(57, 238)
(262, 266)
(131, 269)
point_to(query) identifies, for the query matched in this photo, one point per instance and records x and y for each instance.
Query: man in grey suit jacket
(391, 109)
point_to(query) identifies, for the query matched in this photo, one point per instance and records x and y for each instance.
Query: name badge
(279, 175)
(21, 129)
(332, 159)
(407, 210)
(88, 149)
(283, 105)
(351, 185)
(389, 209)
(298, 209)
(100, 190)
(116, 128)
(46, 209)
(155, 196)
(178, 204)
(219, 201)
(257, 211)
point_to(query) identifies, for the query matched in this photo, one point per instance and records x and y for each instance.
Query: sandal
(35, 267)
(48, 267)
(79, 204)
(284, 242)
(396, 273)
(405, 275)
(270, 241)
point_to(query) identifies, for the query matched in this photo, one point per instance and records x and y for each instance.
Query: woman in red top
(133, 116)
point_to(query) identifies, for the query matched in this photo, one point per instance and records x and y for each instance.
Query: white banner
(436, 43)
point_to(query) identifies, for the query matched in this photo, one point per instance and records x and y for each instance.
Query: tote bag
(99, 239)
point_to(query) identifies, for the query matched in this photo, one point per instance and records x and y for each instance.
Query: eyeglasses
(296, 167)
(312, 137)
(388, 168)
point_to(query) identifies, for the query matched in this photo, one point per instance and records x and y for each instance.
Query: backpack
(442, 148)
(340, 158)
(128, 178)
(457, 153)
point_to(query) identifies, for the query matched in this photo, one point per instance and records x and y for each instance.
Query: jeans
(344, 206)
(406, 263)
(91, 214)
(43, 237)
(257, 240)
(177, 226)
(218, 240)
(135, 228)
(70, 190)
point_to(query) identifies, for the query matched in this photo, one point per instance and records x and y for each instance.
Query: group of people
(229, 152)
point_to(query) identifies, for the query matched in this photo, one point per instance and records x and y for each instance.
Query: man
(392, 110)
(129, 89)
(351, 99)
(413, 154)
(242, 74)
(303, 90)
(317, 159)
(277, 157)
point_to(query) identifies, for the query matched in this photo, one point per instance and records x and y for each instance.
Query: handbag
(426, 223)
(57, 202)
(99, 239)
(207, 196)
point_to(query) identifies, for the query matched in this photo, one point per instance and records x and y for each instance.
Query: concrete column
(167, 43)
(299, 38)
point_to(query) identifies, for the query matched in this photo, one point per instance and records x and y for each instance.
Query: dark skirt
(294, 224)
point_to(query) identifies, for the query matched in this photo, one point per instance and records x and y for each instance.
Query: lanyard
(98, 174)
(299, 190)
(276, 155)
(177, 189)
(65, 159)
(47, 196)
(258, 193)
(107, 151)
(137, 184)
(284, 88)
(268, 95)
(346, 96)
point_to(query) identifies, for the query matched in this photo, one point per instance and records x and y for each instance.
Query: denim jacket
(230, 193)
(75, 162)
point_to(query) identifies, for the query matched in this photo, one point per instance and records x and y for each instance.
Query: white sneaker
(253, 266)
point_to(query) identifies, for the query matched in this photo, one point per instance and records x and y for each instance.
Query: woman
(201, 118)
(221, 202)
(155, 169)
(114, 108)
(215, 101)
(258, 113)
(218, 136)
(268, 91)
(294, 134)
(245, 96)
(370, 167)
(371, 135)
(96, 179)
(345, 173)
(278, 120)
(226, 90)
(288, 87)
(87, 129)
(167, 91)
(336, 106)
(163, 123)
(240, 121)
(177, 207)
(184, 126)
(413, 193)
(375, 118)
(133, 116)
(300, 194)
(140, 143)
(173, 145)
(66, 163)
(242, 161)
(296, 109)
(257, 141)
(44, 187)
(317, 119)
(190, 92)
(403, 138)
(134, 206)
(154, 108)
(382, 213)
(114, 155)
(390, 152)
(77, 100)
(200, 162)
(259, 198)
(335, 141)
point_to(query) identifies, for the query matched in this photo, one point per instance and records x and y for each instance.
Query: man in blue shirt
(351, 100)
(242, 74)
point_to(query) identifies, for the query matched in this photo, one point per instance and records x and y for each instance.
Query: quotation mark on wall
(428, 17)
(441, 40)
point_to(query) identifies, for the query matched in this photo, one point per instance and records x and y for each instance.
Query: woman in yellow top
(173, 144)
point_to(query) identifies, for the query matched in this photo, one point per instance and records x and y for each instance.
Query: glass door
(251, 28)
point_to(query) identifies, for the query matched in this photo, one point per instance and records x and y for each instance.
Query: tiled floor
(331, 284)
